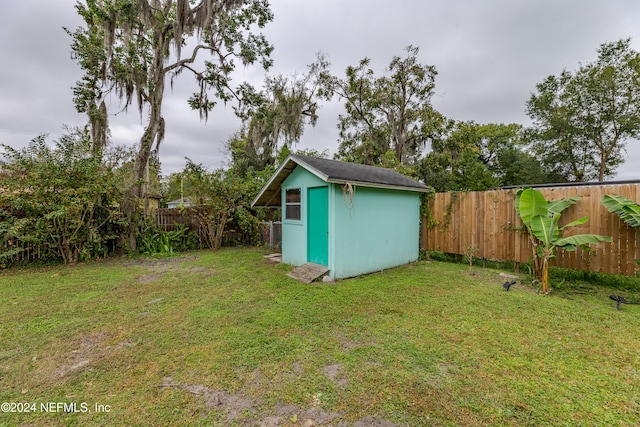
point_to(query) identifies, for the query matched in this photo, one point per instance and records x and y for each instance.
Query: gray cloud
(489, 56)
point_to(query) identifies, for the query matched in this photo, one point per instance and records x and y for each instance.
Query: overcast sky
(489, 56)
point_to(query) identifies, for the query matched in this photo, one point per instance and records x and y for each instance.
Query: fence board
(488, 221)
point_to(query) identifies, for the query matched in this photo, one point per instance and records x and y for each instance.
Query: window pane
(293, 195)
(293, 212)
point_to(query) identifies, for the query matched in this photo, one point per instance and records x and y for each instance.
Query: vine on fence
(426, 212)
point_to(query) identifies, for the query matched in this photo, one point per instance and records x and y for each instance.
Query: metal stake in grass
(618, 299)
(508, 284)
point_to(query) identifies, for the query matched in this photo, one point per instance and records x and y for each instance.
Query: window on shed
(292, 204)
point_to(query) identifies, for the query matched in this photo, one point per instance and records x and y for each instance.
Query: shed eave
(267, 203)
(265, 200)
(377, 185)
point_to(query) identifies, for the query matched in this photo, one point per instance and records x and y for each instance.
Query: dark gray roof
(335, 171)
(357, 173)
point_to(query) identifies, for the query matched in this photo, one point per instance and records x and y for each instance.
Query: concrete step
(308, 272)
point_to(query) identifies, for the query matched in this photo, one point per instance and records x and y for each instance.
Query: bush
(153, 240)
(61, 201)
(568, 278)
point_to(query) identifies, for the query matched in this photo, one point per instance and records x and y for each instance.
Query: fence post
(271, 234)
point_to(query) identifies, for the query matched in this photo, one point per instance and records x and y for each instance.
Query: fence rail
(486, 222)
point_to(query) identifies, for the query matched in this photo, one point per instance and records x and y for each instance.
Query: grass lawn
(226, 338)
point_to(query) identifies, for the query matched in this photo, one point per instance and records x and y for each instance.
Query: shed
(351, 218)
(179, 203)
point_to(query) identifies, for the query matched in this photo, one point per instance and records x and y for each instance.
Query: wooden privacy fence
(486, 224)
(170, 219)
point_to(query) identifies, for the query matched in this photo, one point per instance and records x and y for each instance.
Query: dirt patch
(252, 412)
(236, 405)
(86, 351)
(293, 415)
(298, 368)
(159, 267)
(154, 262)
(148, 278)
(348, 345)
(373, 422)
(233, 405)
(335, 373)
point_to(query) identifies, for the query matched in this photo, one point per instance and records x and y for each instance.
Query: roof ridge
(354, 165)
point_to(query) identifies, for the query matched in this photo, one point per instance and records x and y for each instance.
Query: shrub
(60, 199)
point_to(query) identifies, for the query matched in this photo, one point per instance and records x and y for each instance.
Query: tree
(472, 156)
(388, 113)
(541, 218)
(470, 174)
(88, 50)
(276, 118)
(502, 148)
(518, 167)
(130, 48)
(583, 119)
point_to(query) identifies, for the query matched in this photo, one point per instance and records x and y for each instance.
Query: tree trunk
(545, 276)
(153, 132)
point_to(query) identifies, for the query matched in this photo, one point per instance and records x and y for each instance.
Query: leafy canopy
(392, 112)
(583, 119)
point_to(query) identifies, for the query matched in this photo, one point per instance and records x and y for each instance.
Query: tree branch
(191, 60)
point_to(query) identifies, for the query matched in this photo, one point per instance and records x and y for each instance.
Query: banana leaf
(557, 206)
(544, 228)
(626, 209)
(529, 204)
(570, 243)
(631, 215)
(579, 221)
(614, 203)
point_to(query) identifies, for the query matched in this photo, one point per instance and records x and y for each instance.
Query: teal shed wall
(380, 229)
(377, 229)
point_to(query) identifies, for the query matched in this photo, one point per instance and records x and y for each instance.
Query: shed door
(318, 226)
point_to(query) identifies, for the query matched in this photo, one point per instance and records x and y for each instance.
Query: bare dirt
(85, 352)
(255, 414)
(158, 267)
(335, 373)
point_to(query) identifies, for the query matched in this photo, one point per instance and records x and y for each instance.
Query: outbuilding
(351, 218)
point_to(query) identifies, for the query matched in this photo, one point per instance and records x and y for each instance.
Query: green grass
(226, 338)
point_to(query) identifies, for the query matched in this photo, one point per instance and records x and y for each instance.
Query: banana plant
(541, 218)
(626, 209)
